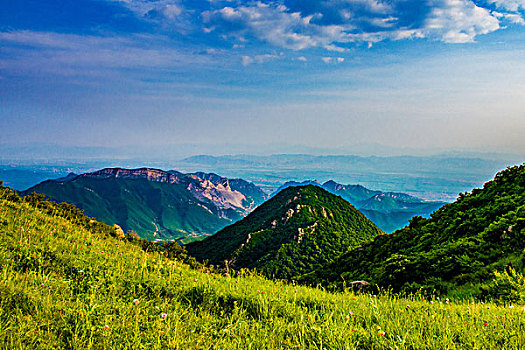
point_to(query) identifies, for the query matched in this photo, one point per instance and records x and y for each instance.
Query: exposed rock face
(118, 230)
(204, 186)
(155, 203)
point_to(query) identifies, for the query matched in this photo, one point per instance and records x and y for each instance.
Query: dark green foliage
(457, 248)
(296, 231)
(153, 209)
(507, 286)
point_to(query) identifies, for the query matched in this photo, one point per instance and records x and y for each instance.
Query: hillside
(67, 283)
(457, 249)
(388, 210)
(155, 203)
(294, 232)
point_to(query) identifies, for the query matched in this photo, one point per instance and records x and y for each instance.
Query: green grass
(61, 284)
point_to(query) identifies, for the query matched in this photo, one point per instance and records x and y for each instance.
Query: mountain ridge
(288, 235)
(156, 203)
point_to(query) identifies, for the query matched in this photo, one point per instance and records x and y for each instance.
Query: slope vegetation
(67, 283)
(458, 248)
(292, 233)
(154, 203)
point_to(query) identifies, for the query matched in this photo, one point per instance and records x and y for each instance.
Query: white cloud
(332, 60)
(511, 17)
(509, 5)
(451, 21)
(172, 11)
(247, 60)
(458, 21)
(273, 24)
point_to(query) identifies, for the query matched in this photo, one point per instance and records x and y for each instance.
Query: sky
(429, 74)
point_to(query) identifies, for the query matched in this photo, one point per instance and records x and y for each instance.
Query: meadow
(65, 284)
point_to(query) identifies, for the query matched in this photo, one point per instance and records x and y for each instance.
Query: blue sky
(431, 74)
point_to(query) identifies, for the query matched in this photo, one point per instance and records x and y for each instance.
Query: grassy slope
(136, 204)
(330, 225)
(460, 245)
(61, 284)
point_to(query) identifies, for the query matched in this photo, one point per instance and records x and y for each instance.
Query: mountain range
(439, 177)
(297, 230)
(155, 203)
(388, 210)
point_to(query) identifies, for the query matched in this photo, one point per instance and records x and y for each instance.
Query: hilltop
(292, 233)
(388, 210)
(456, 250)
(155, 203)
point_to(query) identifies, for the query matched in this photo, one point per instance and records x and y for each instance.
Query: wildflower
(353, 298)
(41, 285)
(464, 323)
(295, 291)
(408, 306)
(431, 301)
(106, 327)
(485, 323)
(511, 306)
(19, 242)
(164, 316)
(194, 280)
(263, 293)
(347, 317)
(351, 313)
(381, 333)
(136, 301)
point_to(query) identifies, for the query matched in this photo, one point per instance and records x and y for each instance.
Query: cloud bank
(333, 25)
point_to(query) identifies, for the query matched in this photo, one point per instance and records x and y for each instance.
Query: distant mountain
(388, 210)
(439, 177)
(456, 250)
(297, 230)
(156, 204)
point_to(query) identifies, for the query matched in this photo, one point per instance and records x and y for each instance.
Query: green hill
(294, 232)
(67, 282)
(388, 210)
(154, 203)
(457, 249)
